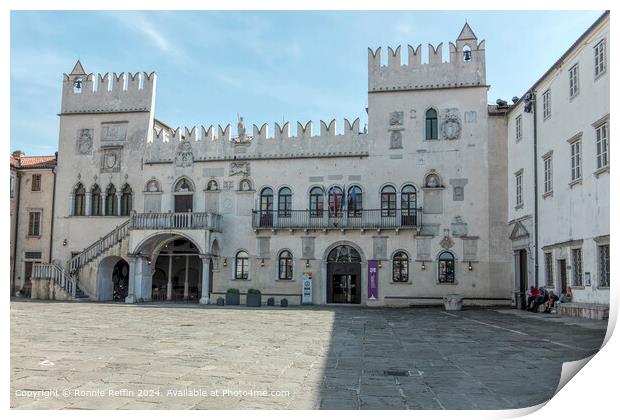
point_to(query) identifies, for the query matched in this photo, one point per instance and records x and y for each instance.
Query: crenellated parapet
(209, 144)
(465, 68)
(105, 93)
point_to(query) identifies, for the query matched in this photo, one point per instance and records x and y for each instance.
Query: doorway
(27, 287)
(522, 261)
(183, 203)
(344, 276)
(120, 280)
(562, 279)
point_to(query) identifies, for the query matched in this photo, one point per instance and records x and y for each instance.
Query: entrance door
(210, 276)
(183, 203)
(522, 278)
(563, 278)
(27, 275)
(344, 283)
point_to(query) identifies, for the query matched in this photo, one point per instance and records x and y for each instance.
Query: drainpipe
(53, 205)
(15, 235)
(534, 104)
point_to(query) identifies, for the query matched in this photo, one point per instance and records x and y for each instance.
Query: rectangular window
(575, 160)
(573, 79)
(547, 104)
(548, 174)
(603, 265)
(12, 185)
(34, 223)
(602, 146)
(600, 58)
(36, 182)
(577, 267)
(549, 269)
(518, 127)
(519, 188)
(32, 255)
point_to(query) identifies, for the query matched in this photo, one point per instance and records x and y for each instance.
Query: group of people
(538, 296)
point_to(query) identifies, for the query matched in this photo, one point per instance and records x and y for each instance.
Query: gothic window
(126, 198)
(79, 200)
(445, 267)
(408, 205)
(354, 201)
(316, 202)
(110, 201)
(245, 185)
(96, 201)
(388, 201)
(183, 185)
(285, 202)
(285, 265)
(400, 267)
(431, 124)
(241, 265)
(212, 185)
(335, 197)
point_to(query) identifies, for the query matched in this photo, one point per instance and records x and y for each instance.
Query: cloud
(142, 25)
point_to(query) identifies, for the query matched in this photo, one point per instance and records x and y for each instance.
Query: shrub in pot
(284, 303)
(220, 301)
(232, 296)
(253, 298)
(271, 301)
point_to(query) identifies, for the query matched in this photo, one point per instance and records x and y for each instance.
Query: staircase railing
(56, 274)
(99, 247)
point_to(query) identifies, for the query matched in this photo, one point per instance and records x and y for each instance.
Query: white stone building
(560, 224)
(146, 212)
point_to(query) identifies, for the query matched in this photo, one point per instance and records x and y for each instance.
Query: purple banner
(373, 280)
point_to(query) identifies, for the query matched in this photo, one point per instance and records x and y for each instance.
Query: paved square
(108, 356)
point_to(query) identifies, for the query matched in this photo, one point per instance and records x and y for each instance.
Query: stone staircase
(68, 280)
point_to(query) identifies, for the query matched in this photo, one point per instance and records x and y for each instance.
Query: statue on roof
(241, 130)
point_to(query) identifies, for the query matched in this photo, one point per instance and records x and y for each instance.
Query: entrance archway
(344, 275)
(177, 273)
(112, 279)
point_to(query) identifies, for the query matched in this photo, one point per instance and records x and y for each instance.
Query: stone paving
(116, 356)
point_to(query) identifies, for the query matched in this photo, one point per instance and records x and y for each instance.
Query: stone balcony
(189, 220)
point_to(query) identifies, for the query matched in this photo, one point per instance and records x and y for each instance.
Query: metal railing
(340, 219)
(99, 247)
(58, 275)
(189, 220)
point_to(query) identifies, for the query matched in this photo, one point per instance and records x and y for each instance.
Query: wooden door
(183, 203)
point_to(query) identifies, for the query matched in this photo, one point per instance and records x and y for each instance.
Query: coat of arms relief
(451, 125)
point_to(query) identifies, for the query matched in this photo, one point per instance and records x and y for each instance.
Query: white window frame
(573, 81)
(519, 188)
(547, 104)
(600, 58)
(576, 267)
(39, 222)
(575, 160)
(548, 173)
(602, 145)
(518, 128)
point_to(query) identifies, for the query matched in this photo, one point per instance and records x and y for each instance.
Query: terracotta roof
(14, 162)
(37, 162)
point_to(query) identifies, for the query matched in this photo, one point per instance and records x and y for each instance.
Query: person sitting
(539, 300)
(551, 299)
(563, 297)
(569, 294)
(532, 293)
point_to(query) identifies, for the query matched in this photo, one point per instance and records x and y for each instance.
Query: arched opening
(110, 201)
(177, 272)
(354, 202)
(285, 203)
(336, 202)
(266, 207)
(183, 196)
(112, 279)
(126, 200)
(344, 275)
(79, 200)
(408, 205)
(96, 201)
(431, 124)
(316, 202)
(445, 267)
(388, 201)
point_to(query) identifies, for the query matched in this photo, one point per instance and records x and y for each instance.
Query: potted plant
(253, 298)
(232, 296)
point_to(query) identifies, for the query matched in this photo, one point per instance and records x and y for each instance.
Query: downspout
(17, 209)
(534, 104)
(53, 206)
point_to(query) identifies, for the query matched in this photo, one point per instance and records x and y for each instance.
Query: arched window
(316, 202)
(126, 200)
(96, 201)
(183, 185)
(466, 53)
(285, 202)
(354, 201)
(79, 200)
(431, 124)
(285, 265)
(408, 205)
(400, 267)
(344, 254)
(336, 202)
(212, 185)
(245, 185)
(445, 267)
(266, 207)
(388, 201)
(110, 201)
(241, 265)
(153, 186)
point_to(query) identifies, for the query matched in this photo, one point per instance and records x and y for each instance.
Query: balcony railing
(341, 219)
(189, 220)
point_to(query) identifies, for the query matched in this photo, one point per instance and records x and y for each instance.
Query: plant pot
(232, 298)
(271, 301)
(220, 301)
(453, 302)
(284, 303)
(253, 300)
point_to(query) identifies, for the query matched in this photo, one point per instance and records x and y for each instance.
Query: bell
(78, 83)
(467, 55)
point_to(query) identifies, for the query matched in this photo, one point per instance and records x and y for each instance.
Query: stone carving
(307, 247)
(451, 125)
(446, 242)
(239, 168)
(470, 116)
(113, 132)
(396, 140)
(379, 247)
(459, 194)
(85, 141)
(111, 160)
(396, 118)
(458, 184)
(459, 227)
(432, 181)
(229, 185)
(152, 186)
(241, 129)
(184, 157)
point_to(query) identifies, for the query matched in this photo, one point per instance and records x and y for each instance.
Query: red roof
(34, 162)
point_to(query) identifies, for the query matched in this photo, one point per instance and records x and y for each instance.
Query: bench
(584, 310)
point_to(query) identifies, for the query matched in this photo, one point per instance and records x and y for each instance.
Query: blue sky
(266, 66)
